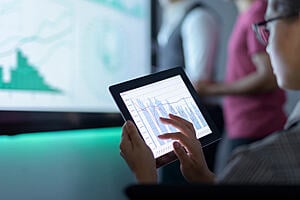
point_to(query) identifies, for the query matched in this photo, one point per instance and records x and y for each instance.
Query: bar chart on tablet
(148, 103)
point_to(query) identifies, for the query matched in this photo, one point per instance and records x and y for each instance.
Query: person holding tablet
(250, 89)
(273, 160)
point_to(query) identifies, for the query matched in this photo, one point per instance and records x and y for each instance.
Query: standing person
(273, 160)
(253, 103)
(188, 37)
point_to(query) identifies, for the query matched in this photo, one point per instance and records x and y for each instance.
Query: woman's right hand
(188, 150)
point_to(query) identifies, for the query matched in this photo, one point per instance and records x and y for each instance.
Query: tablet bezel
(117, 89)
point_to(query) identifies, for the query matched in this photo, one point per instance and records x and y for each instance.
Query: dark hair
(287, 7)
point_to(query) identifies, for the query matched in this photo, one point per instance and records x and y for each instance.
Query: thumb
(133, 133)
(180, 152)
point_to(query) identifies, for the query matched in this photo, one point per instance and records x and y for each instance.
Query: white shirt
(199, 35)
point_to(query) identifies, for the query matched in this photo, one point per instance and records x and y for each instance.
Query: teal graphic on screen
(61, 55)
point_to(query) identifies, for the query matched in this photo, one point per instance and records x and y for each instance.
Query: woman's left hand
(137, 154)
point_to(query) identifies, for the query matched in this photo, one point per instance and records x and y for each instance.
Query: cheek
(277, 52)
(284, 55)
(276, 64)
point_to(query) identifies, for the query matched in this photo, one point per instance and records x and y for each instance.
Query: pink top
(250, 116)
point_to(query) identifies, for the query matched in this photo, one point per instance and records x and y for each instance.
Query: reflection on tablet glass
(145, 99)
(147, 103)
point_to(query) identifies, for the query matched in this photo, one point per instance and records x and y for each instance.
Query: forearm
(147, 177)
(251, 84)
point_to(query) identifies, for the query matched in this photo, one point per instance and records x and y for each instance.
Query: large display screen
(61, 55)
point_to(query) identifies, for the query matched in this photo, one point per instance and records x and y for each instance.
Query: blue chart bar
(149, 115)
(152, 108)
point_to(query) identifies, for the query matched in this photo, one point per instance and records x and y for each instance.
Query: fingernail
(177, 145)
(129, 124)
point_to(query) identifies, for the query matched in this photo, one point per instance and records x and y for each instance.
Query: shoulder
(254, 150)
(257, 163)
(200, 16)
(271, 145)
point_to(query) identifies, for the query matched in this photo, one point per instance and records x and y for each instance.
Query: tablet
(143, 100)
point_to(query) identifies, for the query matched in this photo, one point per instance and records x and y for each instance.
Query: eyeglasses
(262, 31)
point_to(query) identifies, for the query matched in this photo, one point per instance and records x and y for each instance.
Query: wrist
(203, 176)
(147, 177)
(209, 177)
(216, 89)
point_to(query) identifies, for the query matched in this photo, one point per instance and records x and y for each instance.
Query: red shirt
(250, 116)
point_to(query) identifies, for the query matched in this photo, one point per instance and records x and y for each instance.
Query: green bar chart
(61, 55)
(25, 77)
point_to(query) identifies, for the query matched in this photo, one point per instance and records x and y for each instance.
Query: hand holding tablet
(146, 99)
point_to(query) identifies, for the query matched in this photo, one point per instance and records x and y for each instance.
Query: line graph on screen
(147, 104)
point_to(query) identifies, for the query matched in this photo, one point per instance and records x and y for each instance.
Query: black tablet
(143, 100)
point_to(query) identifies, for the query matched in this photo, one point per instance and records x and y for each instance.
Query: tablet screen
(149, 102)
(145, 99)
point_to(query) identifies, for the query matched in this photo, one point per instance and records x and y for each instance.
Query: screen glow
(61, 55)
